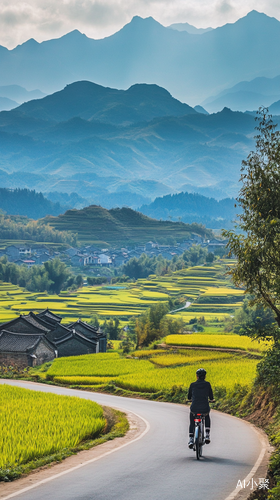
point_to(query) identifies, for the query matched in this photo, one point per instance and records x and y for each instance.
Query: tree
(112, 328)
(257, 247)
(79, 280)
(57, 272)
(256, 322)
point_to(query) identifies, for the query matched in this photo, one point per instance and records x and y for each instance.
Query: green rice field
(154, 373)
(36, 424)
(217, 341)
(205, 287)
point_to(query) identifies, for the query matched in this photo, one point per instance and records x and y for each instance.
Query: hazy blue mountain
(190, 207)
(19, 94)
(274, 109)
(200, 109)
(189, 28)
(92, 102)
(248, 95)
(7, 104)
(96, 158)
(191, 67)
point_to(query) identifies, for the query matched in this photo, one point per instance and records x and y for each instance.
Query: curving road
(159, 466)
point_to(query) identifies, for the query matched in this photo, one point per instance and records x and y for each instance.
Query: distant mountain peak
(138, 22)
(74, 34)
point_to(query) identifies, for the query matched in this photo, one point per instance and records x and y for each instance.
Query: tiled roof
(77, 335)
(35, 323)
(50, 315)
(15, 342)
(78, 323)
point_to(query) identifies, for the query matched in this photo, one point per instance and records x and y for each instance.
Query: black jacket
(200, 392)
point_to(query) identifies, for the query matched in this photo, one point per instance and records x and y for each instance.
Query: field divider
(252, 355)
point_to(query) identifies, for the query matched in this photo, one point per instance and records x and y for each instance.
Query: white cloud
(43, 19)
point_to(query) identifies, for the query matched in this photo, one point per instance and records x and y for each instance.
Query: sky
(21, 20)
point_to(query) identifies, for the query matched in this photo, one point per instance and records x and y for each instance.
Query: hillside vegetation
(192, 206)
(15, 229)
(28, 203)
(123, 226)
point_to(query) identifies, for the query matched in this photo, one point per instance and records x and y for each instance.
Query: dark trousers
(207, 422)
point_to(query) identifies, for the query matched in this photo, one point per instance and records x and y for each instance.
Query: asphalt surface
(159, 466)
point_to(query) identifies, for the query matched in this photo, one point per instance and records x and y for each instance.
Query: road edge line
(55, 476)
(240, 493)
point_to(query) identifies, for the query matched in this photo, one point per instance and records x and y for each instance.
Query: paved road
(159, 466)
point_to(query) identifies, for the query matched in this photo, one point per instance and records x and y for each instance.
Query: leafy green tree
(255, 321)
(127, 345)
(57, 272)
(79, 280)
(257, 246)
(112, 328)
(94, 321)
(210, 257)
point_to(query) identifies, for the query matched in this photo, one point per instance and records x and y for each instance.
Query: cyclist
(200, 392)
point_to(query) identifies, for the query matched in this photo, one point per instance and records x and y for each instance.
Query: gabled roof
(28, 322)
(81, 323)
(31, 318)
(49, 316)
(16, 342)
(76, 335)
(50, 325)
(60, 330)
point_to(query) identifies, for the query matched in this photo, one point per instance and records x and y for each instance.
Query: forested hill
(29, 203)
(121, 226)
(192, 207)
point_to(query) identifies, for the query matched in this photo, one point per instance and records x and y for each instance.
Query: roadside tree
(256, 241)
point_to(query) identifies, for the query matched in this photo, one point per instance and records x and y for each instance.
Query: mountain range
(93, 141)
(248, 95)
(191, 67)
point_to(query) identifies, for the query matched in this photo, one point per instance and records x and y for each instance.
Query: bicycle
(199, 438)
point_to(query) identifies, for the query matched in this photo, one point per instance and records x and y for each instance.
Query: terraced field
(154, 373)
(204, 286)
(217, 341)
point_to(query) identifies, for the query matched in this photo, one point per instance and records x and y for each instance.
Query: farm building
(36, 338)
(25, 349)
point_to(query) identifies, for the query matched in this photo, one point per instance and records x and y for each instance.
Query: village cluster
(90, 255)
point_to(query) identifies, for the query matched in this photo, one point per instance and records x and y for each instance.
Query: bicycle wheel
(197, 443)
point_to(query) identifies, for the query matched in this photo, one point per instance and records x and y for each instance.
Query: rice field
(155, 373)
(219, 373)
(36, 424)
(187, 359)
(222, 341)
(210, 294)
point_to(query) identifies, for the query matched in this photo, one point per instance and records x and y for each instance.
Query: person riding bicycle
(200, 392)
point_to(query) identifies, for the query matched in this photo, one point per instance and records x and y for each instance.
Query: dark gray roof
(49, 315)
(15, 342)
(22, 342)
(81, 323)
(77, 335)
(32, 320)
(28, 322)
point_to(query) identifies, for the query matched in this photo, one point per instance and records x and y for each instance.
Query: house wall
(43, 354)
(21, 360)
(103, 345)
(74, 347)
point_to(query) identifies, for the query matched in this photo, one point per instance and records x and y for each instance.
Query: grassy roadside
(116, 426)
